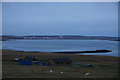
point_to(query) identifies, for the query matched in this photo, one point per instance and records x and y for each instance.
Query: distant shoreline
(59, 37)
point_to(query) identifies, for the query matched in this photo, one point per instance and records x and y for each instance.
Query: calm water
(62, 45)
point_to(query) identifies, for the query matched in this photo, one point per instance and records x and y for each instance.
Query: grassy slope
(104, 66)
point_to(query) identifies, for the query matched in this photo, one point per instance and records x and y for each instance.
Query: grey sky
(37, 18)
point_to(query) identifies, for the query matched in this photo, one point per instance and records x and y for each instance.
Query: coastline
(64, 52)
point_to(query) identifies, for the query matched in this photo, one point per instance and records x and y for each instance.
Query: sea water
(63, 45)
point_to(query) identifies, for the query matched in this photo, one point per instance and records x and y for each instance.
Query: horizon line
(60, 0)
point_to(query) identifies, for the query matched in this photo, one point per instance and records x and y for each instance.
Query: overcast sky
(51, 18)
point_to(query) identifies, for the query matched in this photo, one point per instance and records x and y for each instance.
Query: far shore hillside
(57, 37)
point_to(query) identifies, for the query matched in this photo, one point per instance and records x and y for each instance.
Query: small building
(33, 59)
(27, 61)
(17, 59)
(89, 65)
(42, 63)
(59, 61)
(77, 64)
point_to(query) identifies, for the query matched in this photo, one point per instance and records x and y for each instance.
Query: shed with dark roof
(59, 61)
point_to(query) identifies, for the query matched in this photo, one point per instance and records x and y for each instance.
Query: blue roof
(25, 63)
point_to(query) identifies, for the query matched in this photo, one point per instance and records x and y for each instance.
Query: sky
(60, 18)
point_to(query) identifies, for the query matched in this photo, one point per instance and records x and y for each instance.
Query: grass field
(103, 66)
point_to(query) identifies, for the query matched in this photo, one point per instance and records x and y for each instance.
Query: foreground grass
(103, 66)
